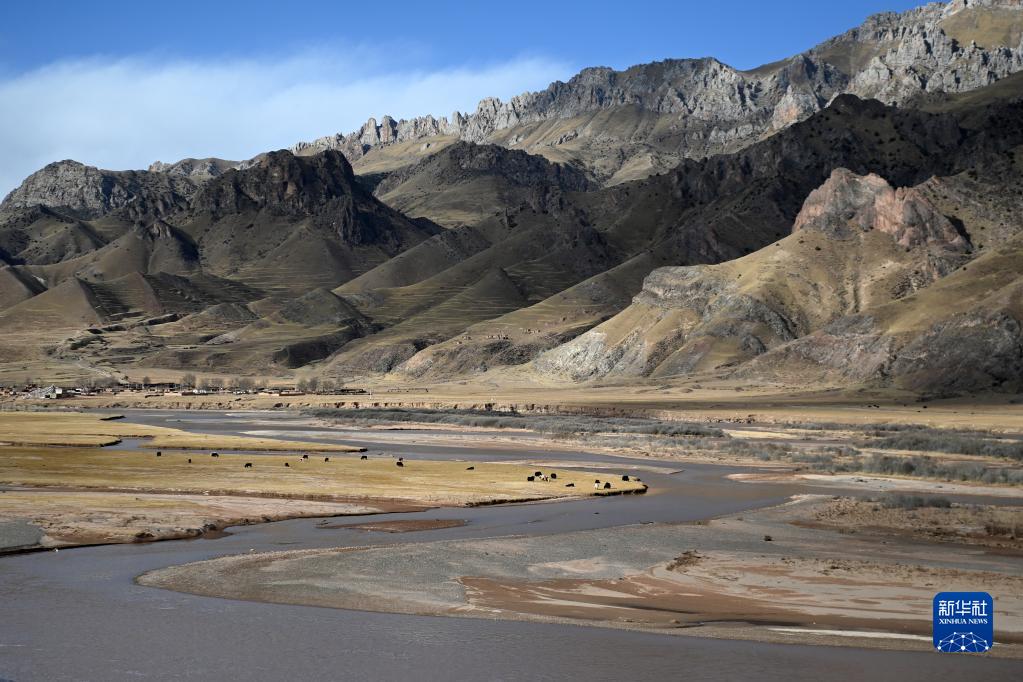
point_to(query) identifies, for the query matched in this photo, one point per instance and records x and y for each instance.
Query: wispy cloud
(126, 113)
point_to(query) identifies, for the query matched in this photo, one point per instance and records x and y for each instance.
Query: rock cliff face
(86, 192)
(712, 108)
(936, 48)
(848, 204)
(283, 183)
(295, 222)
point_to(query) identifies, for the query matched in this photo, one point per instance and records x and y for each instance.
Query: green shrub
(951, 442)
(902, 501)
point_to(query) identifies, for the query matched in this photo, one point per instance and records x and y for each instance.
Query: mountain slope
(465, 184)
(962, 335)
(915, 288)
(856, 243)
(709, 211)
(293, 224)
(792, 218)
(280, 229)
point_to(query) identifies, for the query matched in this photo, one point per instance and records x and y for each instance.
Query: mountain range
(849, 216)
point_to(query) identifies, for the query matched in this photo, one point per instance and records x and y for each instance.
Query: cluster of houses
(51, 392)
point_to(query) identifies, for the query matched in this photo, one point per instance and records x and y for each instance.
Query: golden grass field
(340, 479)
(62, 482)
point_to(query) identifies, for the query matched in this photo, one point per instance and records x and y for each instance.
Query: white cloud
(126, 113)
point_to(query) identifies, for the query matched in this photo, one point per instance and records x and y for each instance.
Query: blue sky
(119, 84)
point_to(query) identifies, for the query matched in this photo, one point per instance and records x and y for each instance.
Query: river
(78, 614)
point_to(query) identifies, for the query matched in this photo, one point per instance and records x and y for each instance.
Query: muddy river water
(78, 614)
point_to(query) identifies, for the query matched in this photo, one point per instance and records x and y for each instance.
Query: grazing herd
(249, 465)
(537, 476)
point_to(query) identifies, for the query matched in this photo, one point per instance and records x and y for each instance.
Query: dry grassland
(340, 479)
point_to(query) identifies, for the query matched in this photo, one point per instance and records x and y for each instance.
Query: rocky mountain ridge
(712, 108)
(87, 192)
(628, 124)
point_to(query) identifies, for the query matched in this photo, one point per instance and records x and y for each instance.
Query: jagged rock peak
(956, 6)
(848, 203)
(704, 89)
(196, 169)
(928, 50)
(892, 57)
(371, 134)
